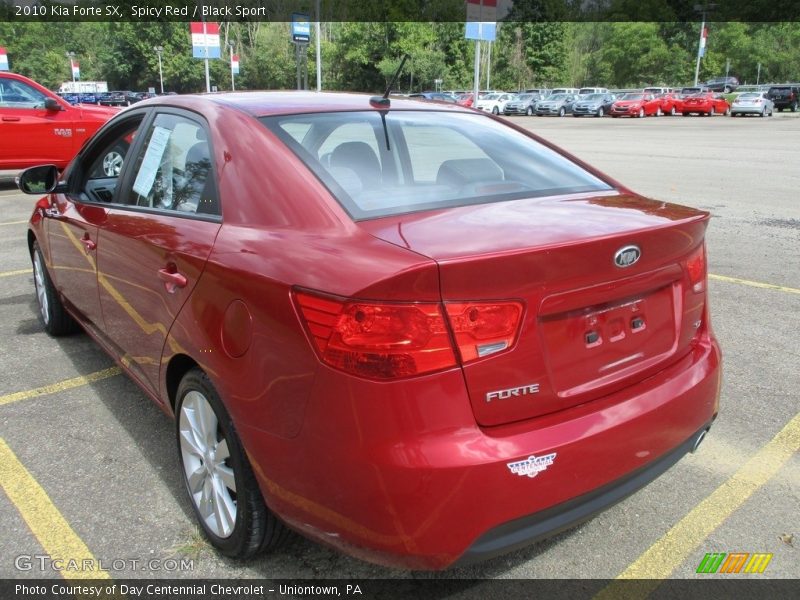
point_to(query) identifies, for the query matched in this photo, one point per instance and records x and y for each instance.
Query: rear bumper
(533, 528)
(402, 476)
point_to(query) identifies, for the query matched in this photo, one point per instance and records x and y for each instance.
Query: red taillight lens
(378, 340)
(483, 328)
(696, 268)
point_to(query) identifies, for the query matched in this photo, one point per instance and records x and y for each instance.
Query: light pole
(71, 56)
(233, 85)
(159, 50)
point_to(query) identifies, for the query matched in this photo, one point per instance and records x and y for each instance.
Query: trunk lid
(589, 327)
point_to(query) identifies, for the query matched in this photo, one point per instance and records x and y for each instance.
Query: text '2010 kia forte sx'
(414, 332)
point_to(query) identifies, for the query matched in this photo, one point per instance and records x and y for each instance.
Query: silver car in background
(557, 104)
(752, 103)
(524, 104)
(597, 105)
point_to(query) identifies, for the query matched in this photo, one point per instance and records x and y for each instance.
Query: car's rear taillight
(483, 328)
(696, 268)
(390, 340)
(378, 340)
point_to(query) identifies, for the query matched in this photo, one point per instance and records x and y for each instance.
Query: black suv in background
(785, 96)
(723, 84)
(120, 98)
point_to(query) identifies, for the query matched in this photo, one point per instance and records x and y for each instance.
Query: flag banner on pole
(3, 59)
(235, 64)
(76, 69)
(482, 10)
(481, 20)
(205, 40)
(481, 31)
(703, 41)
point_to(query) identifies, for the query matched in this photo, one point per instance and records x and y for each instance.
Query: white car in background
(494, 103)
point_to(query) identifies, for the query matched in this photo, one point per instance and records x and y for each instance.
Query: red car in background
(465, 100)
(37, 126)
(636, 104)
(409, 330)
(705, 103)
(671, 103)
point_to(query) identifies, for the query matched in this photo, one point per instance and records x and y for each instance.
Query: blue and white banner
(205, 39)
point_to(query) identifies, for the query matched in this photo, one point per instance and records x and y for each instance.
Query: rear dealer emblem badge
(627, 256)
(532, 465)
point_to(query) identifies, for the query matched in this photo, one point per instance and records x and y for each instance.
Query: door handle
(88, 244)
(172, 281)
(11, 118)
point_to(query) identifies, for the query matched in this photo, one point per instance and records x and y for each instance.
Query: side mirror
(38, 180)
(52, 104)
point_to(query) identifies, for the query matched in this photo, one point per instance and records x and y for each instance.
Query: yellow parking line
(662, 558)
(13, 223)
(67, 384)
(12, 273)
(758, 284)
(45, 521)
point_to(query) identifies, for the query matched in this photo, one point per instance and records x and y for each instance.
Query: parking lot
(90, 468)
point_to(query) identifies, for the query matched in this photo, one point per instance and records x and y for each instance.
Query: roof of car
(261, 104)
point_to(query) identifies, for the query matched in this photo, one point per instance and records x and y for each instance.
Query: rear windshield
(425, 160)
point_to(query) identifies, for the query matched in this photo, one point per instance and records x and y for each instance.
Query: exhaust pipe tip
(699, 440)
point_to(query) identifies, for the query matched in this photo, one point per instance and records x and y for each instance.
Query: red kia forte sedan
(706, 103)
(636, 105)
(408, 330)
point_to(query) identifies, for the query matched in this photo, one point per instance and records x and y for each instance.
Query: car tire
(600, 112)
(641, 113)
(659, 112)
(726, 89)
(562, 111)
(685, 114)
(529, 111)
(234, 519)
(794, 107)
(712, 112)
(763, 113)
(495, 111)
(54, 317)
(727, 111)
(672, 111)
(114, 159)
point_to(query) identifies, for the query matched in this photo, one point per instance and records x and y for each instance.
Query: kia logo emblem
(627, 256)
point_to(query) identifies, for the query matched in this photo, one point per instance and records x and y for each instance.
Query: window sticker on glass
(152, 160)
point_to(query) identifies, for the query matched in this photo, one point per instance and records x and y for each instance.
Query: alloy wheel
(209, 477)
(112, 163)
(41, 290)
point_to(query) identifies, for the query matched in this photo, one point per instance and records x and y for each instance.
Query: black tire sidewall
(59, 321)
